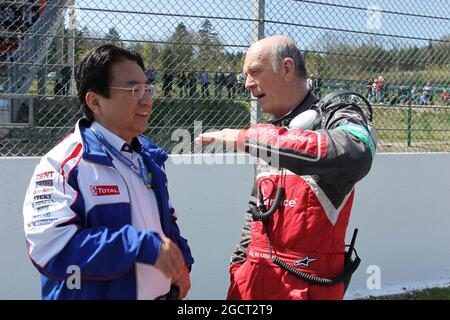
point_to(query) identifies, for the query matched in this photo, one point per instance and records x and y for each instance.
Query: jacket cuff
(150, 247)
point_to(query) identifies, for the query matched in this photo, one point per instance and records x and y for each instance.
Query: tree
(179, 48)
(209, 47)
(442, 48)
(166, 57)
(149, 52)
(113, 36)
(314, 63)
(84, 41)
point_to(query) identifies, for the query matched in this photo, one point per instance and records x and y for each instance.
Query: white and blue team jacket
(77, 215)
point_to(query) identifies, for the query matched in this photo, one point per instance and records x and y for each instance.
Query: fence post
(258, 22)
(73, 23)
(31, 112)
(409, 124)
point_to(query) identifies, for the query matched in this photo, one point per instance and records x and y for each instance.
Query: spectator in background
(404, 94)
(57, 88)
(37, 10)
(17, 17)
(370, 91)
(27, 17)
(444, 96)
(167, 83)
(150, 73)
(3, 16)
(241, 83)
(401, 96)
(192, 83)
(4, 103)
(219, 79)
(23, 115)
(413, 95)
(427, 94)
(380, 89)
(10, 16)
(182, 80)
(204, 83)
(230, 79)
(65, 76)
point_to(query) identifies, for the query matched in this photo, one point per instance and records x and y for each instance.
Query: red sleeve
(303, 143)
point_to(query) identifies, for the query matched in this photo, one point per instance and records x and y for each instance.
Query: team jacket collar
(303, 106)
(114, 140)
(93, 151)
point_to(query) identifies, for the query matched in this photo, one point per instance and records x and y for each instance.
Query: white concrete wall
(401, 210)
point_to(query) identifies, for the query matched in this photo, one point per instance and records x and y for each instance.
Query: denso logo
(98, 191)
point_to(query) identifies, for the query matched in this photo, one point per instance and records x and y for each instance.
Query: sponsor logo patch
(44, 175)
(41, 203)
(45, 183)
(295, 137)
(111, 190)
(43, 222)
(44, 190)
(42, 197)
(304, 262)
(41, 215)
(41, 208)
(46, 196)
(285, 203)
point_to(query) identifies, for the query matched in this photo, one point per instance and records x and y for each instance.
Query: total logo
(98, 191)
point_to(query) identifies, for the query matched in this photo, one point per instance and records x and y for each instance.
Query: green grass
(429, 130)
(433, 294)
(420, 129)
(217, 113)
(425, 294)
(425, 124)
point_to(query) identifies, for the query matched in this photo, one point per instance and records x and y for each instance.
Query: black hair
(93, 72)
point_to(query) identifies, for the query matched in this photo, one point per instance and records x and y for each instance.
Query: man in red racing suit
(318, 170)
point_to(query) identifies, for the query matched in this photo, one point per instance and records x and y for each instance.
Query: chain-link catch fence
(396, 53)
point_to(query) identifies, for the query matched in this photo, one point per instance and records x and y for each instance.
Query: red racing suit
(318, 170)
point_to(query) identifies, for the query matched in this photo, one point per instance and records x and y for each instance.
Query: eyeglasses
(138, 91)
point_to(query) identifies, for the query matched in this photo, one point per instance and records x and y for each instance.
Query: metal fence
(394, 52)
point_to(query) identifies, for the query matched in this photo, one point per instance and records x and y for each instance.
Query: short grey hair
(288, 49)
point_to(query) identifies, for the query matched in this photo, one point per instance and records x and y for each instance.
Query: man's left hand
(183, 282)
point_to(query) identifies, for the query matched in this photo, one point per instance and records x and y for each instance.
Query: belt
(325, 265)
